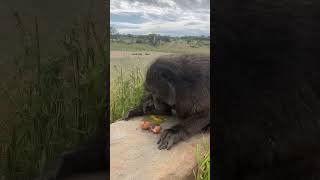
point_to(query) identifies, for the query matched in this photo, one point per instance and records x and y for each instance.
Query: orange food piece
(145, 124)
(156, 129)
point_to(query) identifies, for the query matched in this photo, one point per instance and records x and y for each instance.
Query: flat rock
(134, 153)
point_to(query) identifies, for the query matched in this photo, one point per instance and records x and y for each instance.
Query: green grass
(50, 118)
(202, 155)
(125, 91)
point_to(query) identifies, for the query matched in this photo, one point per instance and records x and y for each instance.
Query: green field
(176, 46)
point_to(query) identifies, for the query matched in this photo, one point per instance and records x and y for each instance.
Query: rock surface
(134, 154)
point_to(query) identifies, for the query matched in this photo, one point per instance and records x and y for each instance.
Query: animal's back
(191, 67)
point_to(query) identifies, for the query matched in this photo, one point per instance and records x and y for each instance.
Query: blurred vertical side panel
(54, 74)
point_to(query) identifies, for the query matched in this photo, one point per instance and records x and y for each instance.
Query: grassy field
(128, 65)
(177, 46)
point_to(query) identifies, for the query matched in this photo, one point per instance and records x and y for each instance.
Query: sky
(165, 17)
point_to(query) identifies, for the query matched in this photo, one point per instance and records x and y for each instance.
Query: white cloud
(161, 16)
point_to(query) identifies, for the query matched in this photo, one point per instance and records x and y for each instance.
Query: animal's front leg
(149, 105)
(186, 129)
(136, 111)
(142, 108)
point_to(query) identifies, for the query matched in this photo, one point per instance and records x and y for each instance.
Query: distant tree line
(154, 39)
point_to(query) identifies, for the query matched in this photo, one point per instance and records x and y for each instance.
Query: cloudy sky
(166, 17)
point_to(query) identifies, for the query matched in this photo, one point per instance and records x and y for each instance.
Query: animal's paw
(171, 136)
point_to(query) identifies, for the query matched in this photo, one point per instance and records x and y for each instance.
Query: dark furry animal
(266, 89)
(180, 83)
